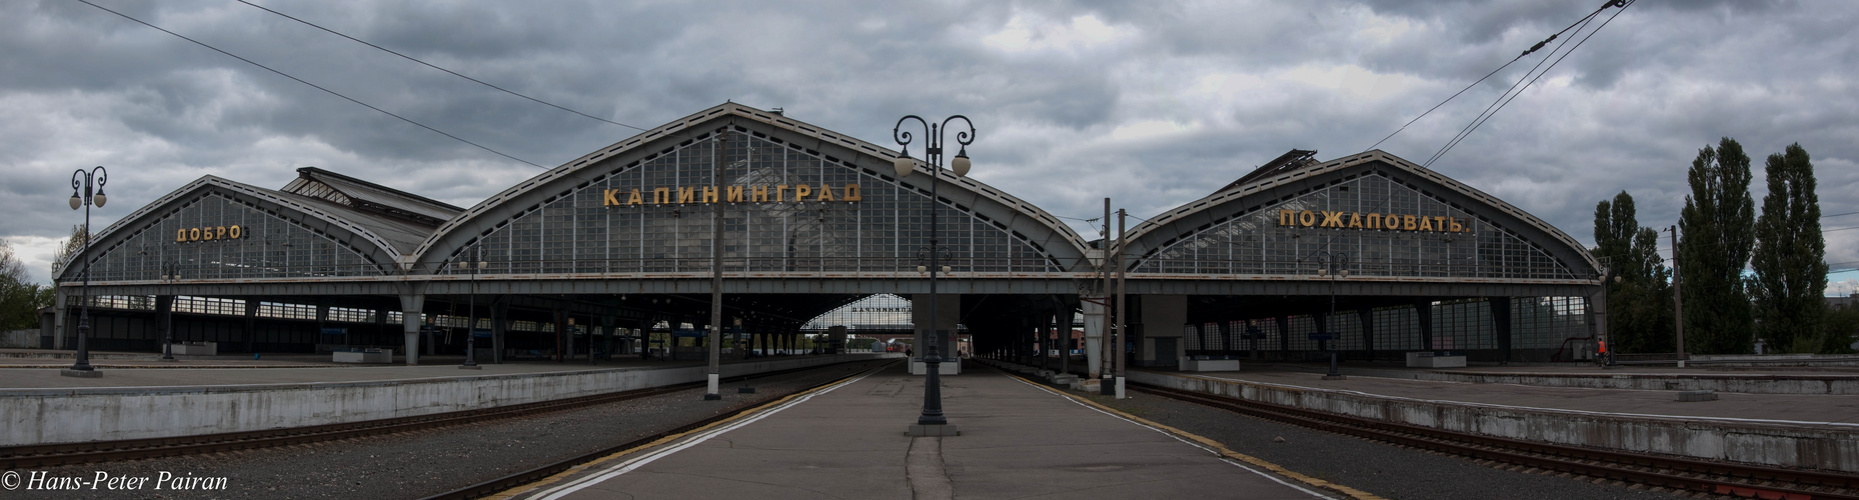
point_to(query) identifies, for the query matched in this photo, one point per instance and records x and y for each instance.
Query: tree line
(1740, 276)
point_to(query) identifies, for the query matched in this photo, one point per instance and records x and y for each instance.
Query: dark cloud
(1152, 104)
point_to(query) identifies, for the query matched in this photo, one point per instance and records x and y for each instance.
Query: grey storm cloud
(1152, 104)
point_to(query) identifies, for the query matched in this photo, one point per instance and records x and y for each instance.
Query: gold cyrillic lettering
(180, 235)
(1286, 217)
(237, 232)
(1374, 221)
(1426, 223)
(761, 194)
(1407, 222)
(1332, 219)
(826, 193)
(735, 194)
(1355, 220)
(634, 198)
(1306, 219)
(607, 199)
(221, 230)
(852, 193)
(778, 189)
(1439, 223)
(687, 194)
(193, 234)
(1455, 225)
(661, 196)
(801, 191)
(709, 194)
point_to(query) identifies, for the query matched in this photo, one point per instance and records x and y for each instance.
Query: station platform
(1771, 426)
(194, 397)
(233, 370)
(1017, 440)
(1783, 409)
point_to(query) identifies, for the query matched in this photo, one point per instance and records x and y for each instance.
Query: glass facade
(846, 218)
(215, 236)
(1290, 236)
(1462, 324)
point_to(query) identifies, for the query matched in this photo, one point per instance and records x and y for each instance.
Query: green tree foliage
(71, 247)
(1716, 236)
(1639, 302)
(20, 299)
(1841, 329)
(1790, 258)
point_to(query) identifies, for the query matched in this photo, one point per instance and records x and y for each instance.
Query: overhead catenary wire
(315, 86)
(1480, 121)
(1525, 53)
(448, 71)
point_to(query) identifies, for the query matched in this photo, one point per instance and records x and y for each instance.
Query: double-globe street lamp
(475, 265)
(170, 272)
(1333, 268)
(932, 422)
(86, 190)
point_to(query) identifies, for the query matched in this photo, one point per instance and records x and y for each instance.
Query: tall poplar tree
(1639, 303)
(1790, 258)
(1716, 235)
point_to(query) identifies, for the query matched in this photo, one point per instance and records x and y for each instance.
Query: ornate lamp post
(1333, 269)
(86, 190)
(170, 272)
(932, 422)
(476, 264)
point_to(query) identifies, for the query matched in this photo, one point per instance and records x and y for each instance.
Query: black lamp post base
(68, 372)
(171, 360)
(945, 430)
(713, 397)
(745, 390)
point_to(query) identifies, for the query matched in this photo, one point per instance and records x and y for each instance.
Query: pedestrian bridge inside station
(619, 251)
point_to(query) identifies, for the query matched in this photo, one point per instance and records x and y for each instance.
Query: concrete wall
(1747, 383)
(1163, 316)
(37, 416)
(1828, 447)
(19, 339)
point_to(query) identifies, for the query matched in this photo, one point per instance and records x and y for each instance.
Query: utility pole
(1122, 325)
(1678, 298)
(716, 270)
(1105, 385)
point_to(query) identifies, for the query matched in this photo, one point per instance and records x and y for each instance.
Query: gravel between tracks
(429, 462)
(1383, 469)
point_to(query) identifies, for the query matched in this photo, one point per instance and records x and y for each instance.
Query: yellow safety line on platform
(1215, 445)
(558, 477)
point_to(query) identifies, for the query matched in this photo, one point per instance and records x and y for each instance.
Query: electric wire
(1532, 49)
(1496, 103)
(1478, 122)
(430, 65)
(315, 86)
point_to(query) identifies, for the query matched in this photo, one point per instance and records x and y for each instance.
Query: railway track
(1658, 471)
(50, 455)
(521, 478)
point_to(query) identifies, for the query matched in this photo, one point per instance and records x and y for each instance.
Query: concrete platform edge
(39, 416)
(1824, 447)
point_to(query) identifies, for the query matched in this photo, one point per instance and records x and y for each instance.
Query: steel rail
(1670, 472)
(49, 455)
(532, 475)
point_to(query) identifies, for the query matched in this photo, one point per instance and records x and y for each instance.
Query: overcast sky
(1150, 103)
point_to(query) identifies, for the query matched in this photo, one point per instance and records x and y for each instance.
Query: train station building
(593, 256)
